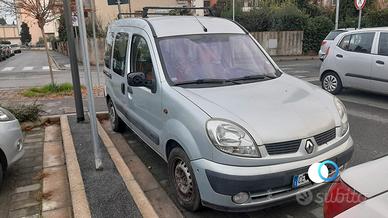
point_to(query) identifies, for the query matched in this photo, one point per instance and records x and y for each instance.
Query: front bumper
(266, 185)
(11, 141)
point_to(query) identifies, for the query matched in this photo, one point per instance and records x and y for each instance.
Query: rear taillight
(323, 42)
(340, 198)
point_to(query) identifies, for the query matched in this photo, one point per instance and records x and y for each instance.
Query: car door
(379, 77)
(145, 103)
(353, 59)
(118, 69)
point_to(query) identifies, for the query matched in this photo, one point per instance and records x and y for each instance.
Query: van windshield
(214, 57)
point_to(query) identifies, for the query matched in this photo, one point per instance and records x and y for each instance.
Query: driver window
(141, 58)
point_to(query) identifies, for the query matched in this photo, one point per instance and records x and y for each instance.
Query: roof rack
(136, 14)
(182, 10)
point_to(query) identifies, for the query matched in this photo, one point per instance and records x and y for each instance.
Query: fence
(281, 43)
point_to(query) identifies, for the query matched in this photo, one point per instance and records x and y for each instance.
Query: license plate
(300, 180)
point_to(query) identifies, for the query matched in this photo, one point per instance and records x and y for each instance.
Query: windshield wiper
(207, 81)
(252, 77)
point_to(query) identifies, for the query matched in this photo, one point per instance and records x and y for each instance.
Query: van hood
(275, 110)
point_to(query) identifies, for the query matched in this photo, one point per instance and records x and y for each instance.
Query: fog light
(19, 145)
(240, 198)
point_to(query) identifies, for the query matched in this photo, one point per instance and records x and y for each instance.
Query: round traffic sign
(360, 4)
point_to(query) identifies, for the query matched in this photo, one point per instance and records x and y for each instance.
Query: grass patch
(48, 90)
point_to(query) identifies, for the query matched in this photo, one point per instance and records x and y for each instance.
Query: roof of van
(182, 25)
(370, 29)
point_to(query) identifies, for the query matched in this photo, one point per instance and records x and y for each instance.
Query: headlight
(5, 115)
(231, 138)
(343, 115)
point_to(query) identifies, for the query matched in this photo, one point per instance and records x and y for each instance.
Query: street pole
(359, 18)
(96, 55)
(130, 10)
(119, 6)
(88, 82)
(233, 9)
(337, 13)
(73, 62)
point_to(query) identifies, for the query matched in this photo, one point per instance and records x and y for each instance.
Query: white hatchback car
(358, 60)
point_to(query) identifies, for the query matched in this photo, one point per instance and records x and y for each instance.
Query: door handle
(380, 62)
(107, 74)
(123, 88)
(339, 56)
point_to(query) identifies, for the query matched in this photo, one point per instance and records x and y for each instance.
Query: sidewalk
(295, 58)
(63, 62)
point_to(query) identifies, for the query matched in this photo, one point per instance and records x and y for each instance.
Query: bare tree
(43, 11)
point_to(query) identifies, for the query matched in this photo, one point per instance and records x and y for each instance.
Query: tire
(183, 180)
(115, 121)
(1, 175)
(331, 83)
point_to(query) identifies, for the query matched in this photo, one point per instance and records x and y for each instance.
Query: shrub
(25, 112)
(316, 30)
(288, 17)
(375, 18)
(256, 19)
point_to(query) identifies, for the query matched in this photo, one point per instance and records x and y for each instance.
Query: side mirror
(136, 79)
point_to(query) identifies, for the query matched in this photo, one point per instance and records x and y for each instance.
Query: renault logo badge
(309, 146)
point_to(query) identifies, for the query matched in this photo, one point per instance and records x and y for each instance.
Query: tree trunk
(48, 56)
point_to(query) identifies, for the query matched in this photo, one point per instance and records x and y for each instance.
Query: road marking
(367, 116)
(311, 79)
(27, 68)
(300, 76)
(45, 68)
(8, 69)
(363, 101)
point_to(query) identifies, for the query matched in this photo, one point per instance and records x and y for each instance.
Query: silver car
(362, 191)
(234, 129)
(11, 141)
(358, 59)
(328, 41)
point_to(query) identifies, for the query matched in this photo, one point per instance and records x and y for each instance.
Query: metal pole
(88, 81)
(73, 62)
(359, 18)
(233, 9)
(130, 10)
(337, 13)
(119, 6)
(96, 56)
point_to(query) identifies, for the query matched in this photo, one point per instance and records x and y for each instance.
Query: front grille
(283, 147)
(325, 137)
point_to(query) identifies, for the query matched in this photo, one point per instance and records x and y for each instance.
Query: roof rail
(182, 10)
(136, 14)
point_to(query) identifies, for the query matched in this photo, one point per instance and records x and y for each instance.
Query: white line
(367, 116)
(366, 102)
(8, 69)
(45, 68)
(300, 76)
(311, 79)
(27, 68)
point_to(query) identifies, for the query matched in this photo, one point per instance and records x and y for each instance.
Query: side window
(141, 58)
(120, 53)
(344, 44)
(361, 42)
(108, 52)
(383, 44)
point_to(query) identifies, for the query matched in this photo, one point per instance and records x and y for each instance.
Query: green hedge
(316, 30)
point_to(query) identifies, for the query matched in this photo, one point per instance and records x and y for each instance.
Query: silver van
(237, 133)
(357, 59)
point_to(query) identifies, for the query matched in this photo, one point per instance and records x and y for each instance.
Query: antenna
(203, 26)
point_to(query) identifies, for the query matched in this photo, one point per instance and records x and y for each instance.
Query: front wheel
(183, 180)
(332, 83)
(115, 121)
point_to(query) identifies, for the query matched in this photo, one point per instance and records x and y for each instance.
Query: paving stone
(28, 188)
(58, 213)
(15, 205)
(53, 154)
(21, 196)
(53, 133)
(32, 140)
(56, 184)
(25, 212)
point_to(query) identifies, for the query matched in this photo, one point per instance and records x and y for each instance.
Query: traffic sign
(359, 4)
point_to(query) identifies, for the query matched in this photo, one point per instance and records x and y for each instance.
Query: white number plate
(300, 180)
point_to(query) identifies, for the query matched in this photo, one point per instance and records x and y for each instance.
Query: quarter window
(141, 58)
(383, 44)
(108, 52)
(360, 42)
(120, 53)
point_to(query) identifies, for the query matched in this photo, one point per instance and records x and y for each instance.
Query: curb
(77, 190)
(141, 200)
(296, 58)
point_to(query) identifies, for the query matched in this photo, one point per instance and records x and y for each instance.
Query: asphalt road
(30, 68)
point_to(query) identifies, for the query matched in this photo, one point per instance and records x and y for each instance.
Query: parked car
(328, 41)
(11, 141)
(7, 50)
(3, 53)
(204, 95)
(358, 60)
(16, 48)
(362, 191)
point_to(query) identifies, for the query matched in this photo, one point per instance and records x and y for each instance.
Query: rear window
(334, 34)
